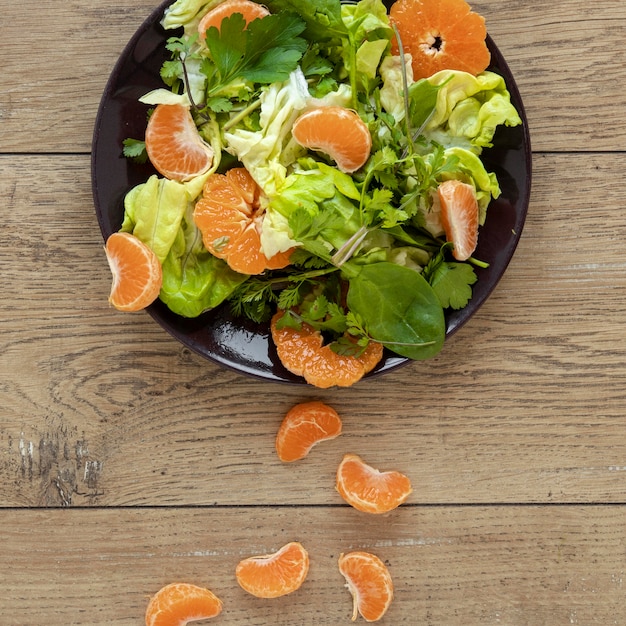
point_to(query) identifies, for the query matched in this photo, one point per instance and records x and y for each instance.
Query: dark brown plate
(240, 344)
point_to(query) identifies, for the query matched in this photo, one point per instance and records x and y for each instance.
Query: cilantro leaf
(452, 283)
(135, 149)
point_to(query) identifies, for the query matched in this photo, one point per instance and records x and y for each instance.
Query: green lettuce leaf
(469, 109)
(194, 280)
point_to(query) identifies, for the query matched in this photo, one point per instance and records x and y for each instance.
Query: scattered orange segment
(174, 145)
(439, 35)
(368, 489)
(137, 273)
(459, 217)
(274, 575)
(336, 131)
(369, 582)
(249, 10)
(305, 425)
(179, 603)
(230, 218)
(302, 352)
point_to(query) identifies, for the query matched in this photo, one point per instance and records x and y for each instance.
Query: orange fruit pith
(459, 217)
(368, 489)
(302, 352)
(274, 575)
(305, 425)
(174, 145)
(337, 132)
(441, 35)
(249, 10)
(137, 273)
(179, 603)
(230, 218)
(369, 582)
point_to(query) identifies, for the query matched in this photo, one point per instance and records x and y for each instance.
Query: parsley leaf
(451, 281)
(135, 149)
(266, 50)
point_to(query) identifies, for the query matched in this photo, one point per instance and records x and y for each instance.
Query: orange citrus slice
(441, 35)
(179, 603)
(230, 218)
(304, 426)
(336, 131)
(459, 217)
(249, 10)
(368, 489)
(274, 575)
(301, 351)
(174, 145)
(369, 582)
(137, 273)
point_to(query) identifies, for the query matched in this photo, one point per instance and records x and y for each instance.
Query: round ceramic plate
(237, 343)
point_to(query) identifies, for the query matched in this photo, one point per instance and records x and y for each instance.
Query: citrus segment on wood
(336, 131)
(459, 217)
(440, 35)
(179, 603)
(230, 217)
(305, 425)
(249, 10)
(137, 272)
(274, 575)
(369, 582)
(302, 352)
(174, 145)
(369, 490)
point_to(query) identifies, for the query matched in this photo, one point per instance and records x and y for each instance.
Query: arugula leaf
(265, 51)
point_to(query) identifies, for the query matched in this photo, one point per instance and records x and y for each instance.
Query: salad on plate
(308, 174)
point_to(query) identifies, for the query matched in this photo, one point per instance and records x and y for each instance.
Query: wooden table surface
(128, 462)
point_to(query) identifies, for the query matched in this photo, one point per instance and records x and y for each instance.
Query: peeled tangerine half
(179, 603)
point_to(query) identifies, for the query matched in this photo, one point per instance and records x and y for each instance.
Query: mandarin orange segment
(230, 217)
(249, 10)
(369, 490)
(295, 347)
(274, 575)
(137, 272)
(305, 425)
(440, 35)
(174, 145)
(177, 604)
(337, 132)
(459, 217)
(369, 582)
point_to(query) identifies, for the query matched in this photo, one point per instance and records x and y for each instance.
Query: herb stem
(241, 115)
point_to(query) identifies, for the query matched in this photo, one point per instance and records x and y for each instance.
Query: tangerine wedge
(459, 217)
(368, 489)
(137, 272)
(336, 131)
(274, 575)
(369, 582)
(440, 35)
(174, 145)
(301, 351)
(249, 10)
(230, 218)
(179, 603)
(304, 426)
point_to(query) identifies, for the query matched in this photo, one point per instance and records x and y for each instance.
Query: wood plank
(525, 403)
(569, 68)
(450, 565)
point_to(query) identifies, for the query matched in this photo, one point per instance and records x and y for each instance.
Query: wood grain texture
(525, 404)
(450, 565)
(128, 462)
